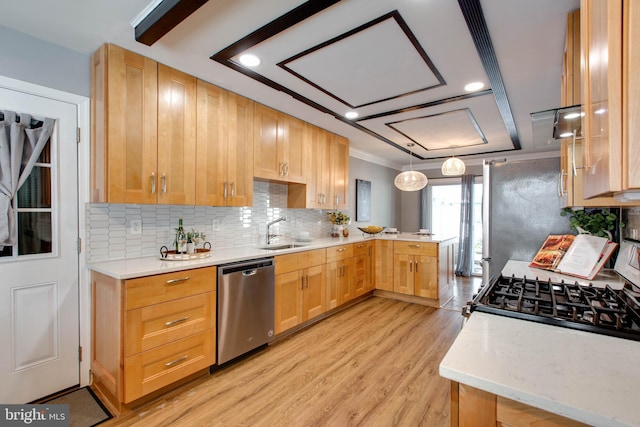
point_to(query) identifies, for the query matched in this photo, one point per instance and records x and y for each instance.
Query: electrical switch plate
(215, 225)
(136, 226)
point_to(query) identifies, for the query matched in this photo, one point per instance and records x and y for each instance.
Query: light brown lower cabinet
(300, 288)
(151, 332)
(383, 268)
(472, 407)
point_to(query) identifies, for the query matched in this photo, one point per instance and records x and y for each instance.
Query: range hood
(551, 126)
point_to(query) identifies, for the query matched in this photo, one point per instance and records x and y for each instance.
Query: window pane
(36, 191)
(34, 233)
(7, 251)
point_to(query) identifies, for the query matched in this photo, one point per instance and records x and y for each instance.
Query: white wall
(32, 60)
(385, 198)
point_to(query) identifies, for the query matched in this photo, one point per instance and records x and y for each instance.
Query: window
(443, 213)
(34, 209)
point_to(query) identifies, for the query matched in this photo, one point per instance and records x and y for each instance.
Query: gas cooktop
(588, 308)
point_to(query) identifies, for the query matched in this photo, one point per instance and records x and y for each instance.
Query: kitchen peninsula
(144, 325)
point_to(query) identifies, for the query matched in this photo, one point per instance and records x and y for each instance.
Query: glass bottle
(181, 238)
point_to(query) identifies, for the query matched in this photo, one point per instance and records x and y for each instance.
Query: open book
(581, 256)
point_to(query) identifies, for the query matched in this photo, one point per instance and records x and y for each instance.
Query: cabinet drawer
(415, 248)
(158, 324)
(150, 370)
(299, 260)
(361, 248)
(166, 287)
(337, 253)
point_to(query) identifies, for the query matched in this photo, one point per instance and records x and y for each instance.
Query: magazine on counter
(582, 256)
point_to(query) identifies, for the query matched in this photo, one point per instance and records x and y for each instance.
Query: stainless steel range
(602, 310)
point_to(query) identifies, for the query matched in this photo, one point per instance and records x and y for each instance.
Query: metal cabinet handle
(286, 169)
(360, 246)
(173, 322)
(414, 246)
(164, 183)
(307, 281)
(224, 189)
(233, 189)
(341, 250)
(410, 266)
(302, 282)
(153, 183)
(178, 360)
(177, 281)
(416, 266)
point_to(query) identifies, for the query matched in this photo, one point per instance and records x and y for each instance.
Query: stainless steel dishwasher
(245, 307)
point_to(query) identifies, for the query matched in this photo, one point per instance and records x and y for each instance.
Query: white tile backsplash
(108, 236)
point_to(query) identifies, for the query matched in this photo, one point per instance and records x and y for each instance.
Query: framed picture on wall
(363, 200)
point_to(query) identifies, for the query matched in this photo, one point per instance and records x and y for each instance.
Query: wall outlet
(136, 226)
(215, 225)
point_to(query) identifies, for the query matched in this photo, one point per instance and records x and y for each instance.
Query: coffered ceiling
(402, 65)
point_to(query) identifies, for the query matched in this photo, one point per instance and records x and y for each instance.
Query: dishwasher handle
(247, 273)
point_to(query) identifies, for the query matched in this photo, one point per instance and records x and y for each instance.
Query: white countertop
(147, 266)
(588, 377)
(521, 269)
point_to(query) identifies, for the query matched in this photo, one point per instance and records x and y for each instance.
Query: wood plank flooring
(374, 364)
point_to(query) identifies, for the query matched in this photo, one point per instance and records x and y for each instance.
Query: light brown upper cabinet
(224, 148)
(279, 146)
(143, 130)
(124, 129)
(571, 151)
(610, 59)
(340, 172)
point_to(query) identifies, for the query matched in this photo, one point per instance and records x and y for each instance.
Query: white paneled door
(39, 317)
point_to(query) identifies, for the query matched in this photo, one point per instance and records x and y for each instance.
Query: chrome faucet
(269, 224)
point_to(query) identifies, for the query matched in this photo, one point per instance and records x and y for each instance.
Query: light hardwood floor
(374, 364)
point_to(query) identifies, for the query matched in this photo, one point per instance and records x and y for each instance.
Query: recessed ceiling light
(471, 87)
(351, 114)
(249, 60)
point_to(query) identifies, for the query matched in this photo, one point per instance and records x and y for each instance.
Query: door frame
(84, 292)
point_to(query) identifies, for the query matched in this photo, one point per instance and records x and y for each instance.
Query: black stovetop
(571, 305)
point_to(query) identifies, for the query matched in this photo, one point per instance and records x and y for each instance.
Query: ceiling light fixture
(249, 60)
(351, 114)
(453, 166)
(472, 87)
(410, 180)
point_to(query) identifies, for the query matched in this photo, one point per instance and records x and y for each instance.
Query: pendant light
(453, 167)
(410, 180)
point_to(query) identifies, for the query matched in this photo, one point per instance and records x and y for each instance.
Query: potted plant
(338, 219)
(598, 222)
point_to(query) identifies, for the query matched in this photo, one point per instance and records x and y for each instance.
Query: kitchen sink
(279, 247)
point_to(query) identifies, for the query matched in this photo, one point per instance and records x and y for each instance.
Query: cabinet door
(294, 149)
(403, 278)
(346, 281)
(288, 300)
(332, 270)
(240, 151)
(127, 140)
(211, 151)
(631, 107)
(426, 276)
(176, 136)
(267, 149)
(314, 300)
(360, 275)
(319, 166)
(340, 172)
(383, 269)
(601, 37)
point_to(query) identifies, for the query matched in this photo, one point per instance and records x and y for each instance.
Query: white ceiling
(393, 61)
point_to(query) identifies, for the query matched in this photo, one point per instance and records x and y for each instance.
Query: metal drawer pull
(153, 183)
(360, 246)
(164, 183)
(176, 281)
(341, 249)
(173, 322)
(414, 246)
(173, 362)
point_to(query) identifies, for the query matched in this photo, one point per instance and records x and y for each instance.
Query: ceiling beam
(163, 18)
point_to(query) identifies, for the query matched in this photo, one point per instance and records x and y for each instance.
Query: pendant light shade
(453, 167)
(410, 180)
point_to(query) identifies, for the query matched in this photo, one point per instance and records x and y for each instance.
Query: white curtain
(21, 142)
(465, 243)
